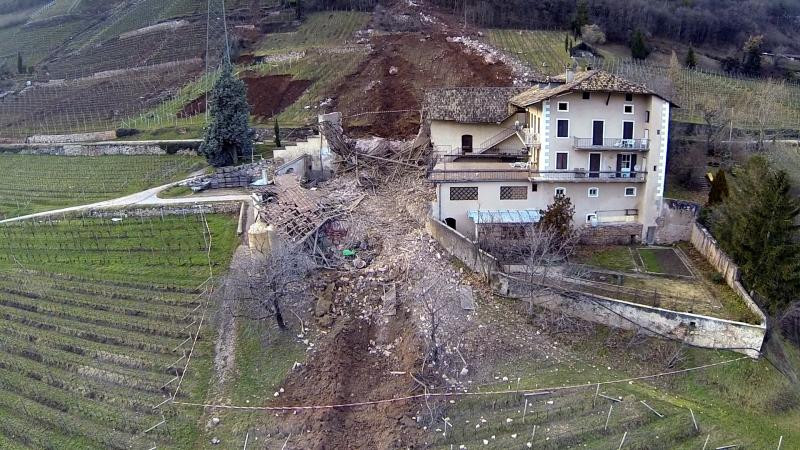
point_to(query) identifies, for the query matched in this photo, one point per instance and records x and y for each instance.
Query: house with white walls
(503, 154)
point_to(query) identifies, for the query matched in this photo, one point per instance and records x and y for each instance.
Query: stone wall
(708, 246)
(675, 222)
(102, 149)
(694, 329)
(462, 248)
(71, 138)
(177, 210)
(611, 234)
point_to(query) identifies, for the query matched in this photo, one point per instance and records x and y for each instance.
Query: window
(630, 192)
(628, 97)
(563, 128)
(563, 106)
(562, 159)
(463, 193)
(590, 218)
(647, 116)
(534, 187)
(594, 192)
(628, 109)
(466, 143)
(561, 191)
(586, 96)
(513, 192)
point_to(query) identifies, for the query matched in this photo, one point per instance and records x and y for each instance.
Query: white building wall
(446, 135)
(609, 205)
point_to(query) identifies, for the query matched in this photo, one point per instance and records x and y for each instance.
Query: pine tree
(719, 189)
(639, 49)
(229, 135)
(20, 66)
(277, 133)
(756, 227)
(581, 17)
(566, 43)
(691, 58)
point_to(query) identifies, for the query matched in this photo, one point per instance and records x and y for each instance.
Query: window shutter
(633, 165)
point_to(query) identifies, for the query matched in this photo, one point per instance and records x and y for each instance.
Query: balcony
(583, 176)
(459, 175)
(614, 144)
(448, 154)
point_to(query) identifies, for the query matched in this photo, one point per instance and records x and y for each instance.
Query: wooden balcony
(612, 144)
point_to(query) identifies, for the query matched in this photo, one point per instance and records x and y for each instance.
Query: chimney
(570, 75)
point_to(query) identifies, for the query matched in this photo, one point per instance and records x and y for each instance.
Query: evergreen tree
(229, 135)
(566, 43)
(691, 58)
(558, 216)
(751, 61)
(719, 189)
(277, 133)
(581, 17)
(755, 225)
(20, 66)
(299, 9)
(639, 48)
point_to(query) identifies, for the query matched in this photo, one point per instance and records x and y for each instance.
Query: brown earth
(422, 61)
(267, 95)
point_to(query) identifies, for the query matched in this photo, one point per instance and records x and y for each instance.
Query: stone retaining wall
(71, 138)
(156, 211)
(611, 234)
(101, 149)
(694, 329)
(462, 248)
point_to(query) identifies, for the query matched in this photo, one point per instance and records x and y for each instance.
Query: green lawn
(610, 258)
(543, 50)
(650, 260)
(94, 318)
(40, 183)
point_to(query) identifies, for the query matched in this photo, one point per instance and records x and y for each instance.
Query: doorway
(466, 143)
(450, 222)
(597, 132)
(594, 165)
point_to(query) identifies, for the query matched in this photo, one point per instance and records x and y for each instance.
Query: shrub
(125, 132)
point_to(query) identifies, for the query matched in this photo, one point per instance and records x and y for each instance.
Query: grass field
(95, 316)
(542, 50)
(40, 183)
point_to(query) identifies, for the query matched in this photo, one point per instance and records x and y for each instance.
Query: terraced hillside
(41, 183)
(97, 325)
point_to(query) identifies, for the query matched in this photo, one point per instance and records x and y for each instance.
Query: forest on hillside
(697, 22)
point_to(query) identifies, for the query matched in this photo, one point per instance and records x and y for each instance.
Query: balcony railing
(479, 175)
(589, 176)
(449, 154)
(636, 145)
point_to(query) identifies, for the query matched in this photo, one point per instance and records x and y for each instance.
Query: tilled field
(86, 355)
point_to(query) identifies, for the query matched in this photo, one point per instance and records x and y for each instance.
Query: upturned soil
(267, 95)
(395, 76)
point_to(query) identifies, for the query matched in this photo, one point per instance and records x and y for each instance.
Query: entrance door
(627, 135)
(624, 165)
(594, 165)
(597, 132)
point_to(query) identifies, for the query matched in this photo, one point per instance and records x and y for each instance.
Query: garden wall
(71, 138)
(694, 329)
(462, 248)
(675, 222)
(612, 234)
(702, 240)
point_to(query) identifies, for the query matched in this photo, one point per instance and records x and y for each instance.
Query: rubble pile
(230, 177)
(523, 75)
(376, 160)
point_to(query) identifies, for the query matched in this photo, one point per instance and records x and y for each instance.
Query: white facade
(605, 151)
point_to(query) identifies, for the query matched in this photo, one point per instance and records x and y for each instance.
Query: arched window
(450, 222)
(466, 143)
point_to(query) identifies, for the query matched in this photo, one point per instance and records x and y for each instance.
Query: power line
(539, 391)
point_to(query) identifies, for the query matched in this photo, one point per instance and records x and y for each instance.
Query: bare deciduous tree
(433, 299)
(716, 115)
(269, 284)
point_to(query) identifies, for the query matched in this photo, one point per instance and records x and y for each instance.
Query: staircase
(496, 139)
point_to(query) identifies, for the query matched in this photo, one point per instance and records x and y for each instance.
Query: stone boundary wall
(71, 138)
(611, 234)
(702, 240)
(102, 149)
(674, 223)
(694, 329)
(462, 248)
(172, 210)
